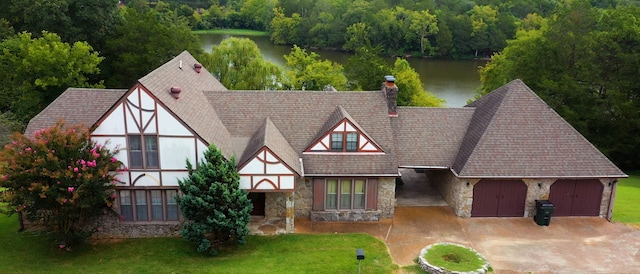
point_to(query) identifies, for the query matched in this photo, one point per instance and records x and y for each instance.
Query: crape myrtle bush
(61, 179)
(216, 209)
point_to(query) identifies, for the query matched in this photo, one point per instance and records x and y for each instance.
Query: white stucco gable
(166, 142)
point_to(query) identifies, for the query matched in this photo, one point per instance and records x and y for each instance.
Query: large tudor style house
(335, 156)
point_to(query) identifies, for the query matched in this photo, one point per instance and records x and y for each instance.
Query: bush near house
(61, 179)
(216, 209)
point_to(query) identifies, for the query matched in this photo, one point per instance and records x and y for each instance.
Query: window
(344, 141)
(343, 194)
(336, 141)
(352, 141)
(143, 154)
(150, 205)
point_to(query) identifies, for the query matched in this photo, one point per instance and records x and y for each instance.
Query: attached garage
(499, 198)
(576, 197)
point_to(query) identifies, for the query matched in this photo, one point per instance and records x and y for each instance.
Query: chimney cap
(390, 78)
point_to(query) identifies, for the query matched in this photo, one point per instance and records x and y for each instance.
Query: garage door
(499, 198)
(576, 197)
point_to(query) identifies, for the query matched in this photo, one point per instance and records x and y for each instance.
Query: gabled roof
(513, 133)
(269, 136)
(430, 137)
(299, 115)
(76, 106)
(192, 106)
(338, 115)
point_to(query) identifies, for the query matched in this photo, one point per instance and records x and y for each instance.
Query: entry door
(499, 198)
(258, 200)
(576, 197)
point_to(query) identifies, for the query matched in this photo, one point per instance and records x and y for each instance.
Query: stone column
(290, 213)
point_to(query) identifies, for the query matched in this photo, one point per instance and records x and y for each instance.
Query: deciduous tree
(308, 72)
(34, 71)
(62, 179)
(239, 65)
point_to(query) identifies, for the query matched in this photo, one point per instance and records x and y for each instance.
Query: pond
(456, 81)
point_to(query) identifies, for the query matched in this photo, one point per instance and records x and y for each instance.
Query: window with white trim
(143, 151)
(144, 205)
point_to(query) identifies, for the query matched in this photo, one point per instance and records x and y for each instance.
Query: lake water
(456, 81)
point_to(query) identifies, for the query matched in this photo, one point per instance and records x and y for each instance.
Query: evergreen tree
(216, 209)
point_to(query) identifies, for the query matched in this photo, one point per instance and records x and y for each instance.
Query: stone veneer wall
(275, 205)
(454, 190)
(303, 198)
(112, 228)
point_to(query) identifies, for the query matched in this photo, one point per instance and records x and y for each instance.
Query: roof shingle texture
(513, 133)
(299, 115)
(192, 106)
(76, 106)
(269, 136)
(430, 137)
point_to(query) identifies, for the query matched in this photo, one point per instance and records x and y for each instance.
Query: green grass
(454, 258)
(625, 207)
(28, 252)
(233, 32)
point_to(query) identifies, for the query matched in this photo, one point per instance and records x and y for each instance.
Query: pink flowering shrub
(60, 178)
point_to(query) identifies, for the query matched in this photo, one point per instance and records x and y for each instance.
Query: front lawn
(625, 208)
(294, 253)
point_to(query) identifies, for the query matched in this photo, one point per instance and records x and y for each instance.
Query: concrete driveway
(511, 245)
(568, 245)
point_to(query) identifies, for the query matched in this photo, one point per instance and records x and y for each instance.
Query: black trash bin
(544, 209)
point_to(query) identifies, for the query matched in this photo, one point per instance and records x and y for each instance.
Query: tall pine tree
(216, 210)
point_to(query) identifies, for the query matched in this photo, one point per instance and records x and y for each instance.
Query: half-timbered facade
(334, 156)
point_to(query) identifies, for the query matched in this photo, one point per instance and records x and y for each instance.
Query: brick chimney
(390, 91)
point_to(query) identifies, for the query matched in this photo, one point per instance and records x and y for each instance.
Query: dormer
(342, 134)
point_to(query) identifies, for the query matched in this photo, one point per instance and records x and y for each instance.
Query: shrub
(216, 210)
(61, 179)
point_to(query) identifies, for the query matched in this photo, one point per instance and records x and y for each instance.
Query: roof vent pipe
(197, 67)
(175, 92)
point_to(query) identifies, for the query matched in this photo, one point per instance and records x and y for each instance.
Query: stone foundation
(112, 228)
(457, 192)
(387, 196)
(346, 216)
(303, 198)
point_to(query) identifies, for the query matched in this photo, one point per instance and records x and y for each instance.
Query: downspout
(613, 184)
(301, 168)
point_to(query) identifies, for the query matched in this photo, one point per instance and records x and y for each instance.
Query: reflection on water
(456, 81)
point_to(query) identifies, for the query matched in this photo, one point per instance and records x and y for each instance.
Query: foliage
(307, 72)
(366, 69)
(142, 41)
(217, 210)
(35, 71)
(625, 208)
(239, 65)
(454, 257)
(410, 90)
(72, 20)
(60, 178)
(584, 63)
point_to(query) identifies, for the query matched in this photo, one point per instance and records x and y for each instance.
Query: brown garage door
(499, 198)
(576, 197)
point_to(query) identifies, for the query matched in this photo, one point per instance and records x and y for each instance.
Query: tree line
(433, 28)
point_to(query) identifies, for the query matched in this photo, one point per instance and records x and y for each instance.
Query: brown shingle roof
(192, 106)
(513, 133)
(268, 135)
(76, 106)
(430, 137)
(300, 115)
